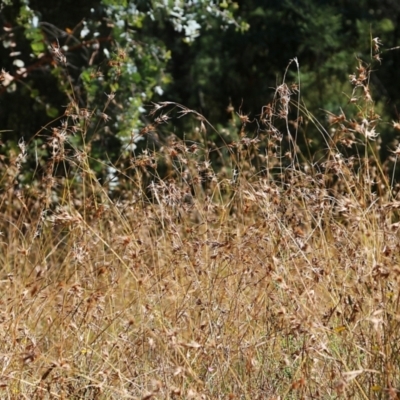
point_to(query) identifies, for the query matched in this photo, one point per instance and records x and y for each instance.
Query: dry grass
(264, 278)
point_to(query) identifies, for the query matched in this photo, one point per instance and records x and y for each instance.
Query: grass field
(241, 272)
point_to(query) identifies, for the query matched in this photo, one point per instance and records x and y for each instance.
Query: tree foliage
(115, 57)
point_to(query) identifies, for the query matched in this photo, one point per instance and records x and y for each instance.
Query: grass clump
(199, 271)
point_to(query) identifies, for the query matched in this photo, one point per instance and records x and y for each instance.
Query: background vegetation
(199, 200)
(217, 58)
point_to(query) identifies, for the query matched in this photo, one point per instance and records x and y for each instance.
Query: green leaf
(38, 47)
(52, 112)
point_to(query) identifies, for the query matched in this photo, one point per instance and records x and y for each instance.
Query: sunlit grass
(254, 275)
